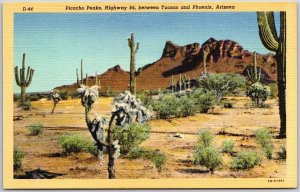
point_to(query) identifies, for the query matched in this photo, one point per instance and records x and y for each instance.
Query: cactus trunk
(111, 160)
(269, 38)
(281, 74)
(23, 94)
(133, 50)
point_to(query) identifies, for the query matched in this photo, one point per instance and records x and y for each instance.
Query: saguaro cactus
(133, 50)
(22, 80)
(269, 38)
(205, 53)
(81, 81)
(253, 72)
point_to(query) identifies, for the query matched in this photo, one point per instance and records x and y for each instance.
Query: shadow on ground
(38, 174)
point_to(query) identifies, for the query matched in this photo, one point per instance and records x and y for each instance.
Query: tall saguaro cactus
(269, 38)
(205, 53)
(22, 80)
(80, 81)
(254, 73)
(133, 50)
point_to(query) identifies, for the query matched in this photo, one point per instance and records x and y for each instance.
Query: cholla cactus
(55, 97)
(97, 131)
(116, 148)
(88, 95)
(126, 106)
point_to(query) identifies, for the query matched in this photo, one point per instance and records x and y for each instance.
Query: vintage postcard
(149, 95)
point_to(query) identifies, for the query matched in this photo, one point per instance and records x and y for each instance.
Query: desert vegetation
(199, 126)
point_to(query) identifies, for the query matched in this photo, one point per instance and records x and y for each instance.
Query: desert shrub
(245, 160)
(63, 95)
(145, 97)
(35, 97)
(263, 137)
(18, 157)
(36, 129)
(227, 146)
(203, 100)
(268, 151)
(282, 153)
(186, 107)
(221, 84)
(74, 143)
(26, 105)
(205, 138)
(274, 90)
(227, 104)
(16, 97)
(169, 105)
(131, 136)
(166, 106)
(258, 93)
(156, 157)
(209, 157)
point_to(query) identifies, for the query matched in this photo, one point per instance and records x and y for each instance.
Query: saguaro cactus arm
(254, 73)
(17, 76)
(267, 30)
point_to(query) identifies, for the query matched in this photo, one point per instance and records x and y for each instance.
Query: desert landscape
(210, 110)
(238, 123)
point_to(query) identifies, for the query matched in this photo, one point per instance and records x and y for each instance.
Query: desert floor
(238, 123)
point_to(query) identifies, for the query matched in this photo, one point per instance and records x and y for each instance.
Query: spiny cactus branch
(267, 30)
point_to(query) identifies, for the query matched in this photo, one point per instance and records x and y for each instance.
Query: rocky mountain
(223, 56)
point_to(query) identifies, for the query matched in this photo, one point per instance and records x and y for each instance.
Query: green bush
(263, 137)
(156, 157)
(145, 97)
(26, 105)
(169, 105)
(186, 107)
(18, 157)
(268, 151)
(205, 138)
(227, 146)
(63, 95)
(166, 106)
(209, 157)
(245, 160)
(131, 136)
(221, 84)
(282, 153)
(258, 93)
(203, 100)
(74, 143)
(36, 129)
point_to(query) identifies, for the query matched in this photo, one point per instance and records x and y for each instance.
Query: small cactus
(254, 73)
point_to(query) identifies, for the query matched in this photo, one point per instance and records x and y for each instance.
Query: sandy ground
(239, 123)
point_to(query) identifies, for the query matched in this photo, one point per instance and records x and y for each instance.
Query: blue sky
(55, 43)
